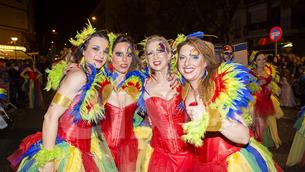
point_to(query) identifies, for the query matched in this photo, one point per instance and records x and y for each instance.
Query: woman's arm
(234, 131)
(69, 88)
(39, 74)
(22, 74)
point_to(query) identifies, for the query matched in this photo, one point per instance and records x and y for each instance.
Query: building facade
(17, 20)
(254, 20)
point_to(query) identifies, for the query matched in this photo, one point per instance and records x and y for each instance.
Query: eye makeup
(194, 53)
(161, 47)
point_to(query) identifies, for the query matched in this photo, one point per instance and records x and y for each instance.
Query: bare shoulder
(73, 81)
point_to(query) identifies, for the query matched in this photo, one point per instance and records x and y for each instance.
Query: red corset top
(117, 126)
(32, 75)
(216, 147)
(78, 134)
(267, 80)
(166, 121)
(265, 92)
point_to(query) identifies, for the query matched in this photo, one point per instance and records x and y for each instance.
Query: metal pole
(275, 49)
(15, 50)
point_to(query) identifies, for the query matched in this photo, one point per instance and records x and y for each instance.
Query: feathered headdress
(252, 57)
(112, 37)
(81, 37)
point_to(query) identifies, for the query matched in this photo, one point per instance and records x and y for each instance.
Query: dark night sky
(66, 16)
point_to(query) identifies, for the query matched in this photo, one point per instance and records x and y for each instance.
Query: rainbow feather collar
(230, 96)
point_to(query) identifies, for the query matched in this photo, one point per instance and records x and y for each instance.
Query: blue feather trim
(75, 111)
(244, 94)
(301, 116)
(198, 34)
(259, 159)
(34, 148)
(3, 97)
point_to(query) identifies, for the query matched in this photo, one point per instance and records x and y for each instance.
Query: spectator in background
(286, 93)
(33, 76)
(14, 76)
(227, 53)
(300, 86)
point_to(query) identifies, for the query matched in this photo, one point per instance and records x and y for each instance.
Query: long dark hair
(78, 53)
(136, 63)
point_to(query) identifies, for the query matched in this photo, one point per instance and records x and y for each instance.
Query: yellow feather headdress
(252, 57)
(81, 37)
(112, 37)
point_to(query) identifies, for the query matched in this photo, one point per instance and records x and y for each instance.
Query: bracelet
(215, 122)
(44, 155)
(61, 100)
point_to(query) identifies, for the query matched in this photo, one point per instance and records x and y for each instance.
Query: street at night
(152, 86)
(28, 121)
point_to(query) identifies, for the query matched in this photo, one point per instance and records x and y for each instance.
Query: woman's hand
(196, 111)
(235, 131)
(173, 79)
(49, 167)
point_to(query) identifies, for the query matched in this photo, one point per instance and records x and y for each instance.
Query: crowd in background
(292, 72)
(290, 67)
(12, 80)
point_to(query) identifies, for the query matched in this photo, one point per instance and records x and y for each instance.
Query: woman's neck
(120, 77)
(195, 85)
(161, 74)
(260, 69)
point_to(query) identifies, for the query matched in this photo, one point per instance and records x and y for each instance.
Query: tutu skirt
(71, 158)
(220, 155)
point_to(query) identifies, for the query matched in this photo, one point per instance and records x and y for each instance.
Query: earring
(205, 74)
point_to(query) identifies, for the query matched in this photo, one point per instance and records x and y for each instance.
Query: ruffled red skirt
(124, 153)
(170, 162)
(263, 106)
(212, 156)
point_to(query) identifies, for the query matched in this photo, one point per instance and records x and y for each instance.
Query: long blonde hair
(207, 87)
(151, 39)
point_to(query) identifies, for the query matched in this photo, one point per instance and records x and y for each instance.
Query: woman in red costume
(120, 99)
(34, 91)
(165, 110)
(214, 95)
(266, 107)
(70, 140)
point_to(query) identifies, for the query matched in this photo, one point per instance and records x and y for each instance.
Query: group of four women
(195, 119)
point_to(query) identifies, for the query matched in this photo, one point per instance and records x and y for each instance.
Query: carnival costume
(3, 97)
(170, 153)
(117, 126)
(34, 90)
(214, 152)
(167, 151)
(79, 145)
(267, 108)
(297, 150)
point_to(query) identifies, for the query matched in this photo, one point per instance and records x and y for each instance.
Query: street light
(93, 18)
(15, 39)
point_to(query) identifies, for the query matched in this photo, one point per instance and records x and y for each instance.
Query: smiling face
(191, 63)
(157, 55)
(96, 51)
(260, 60)
(122, 57)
